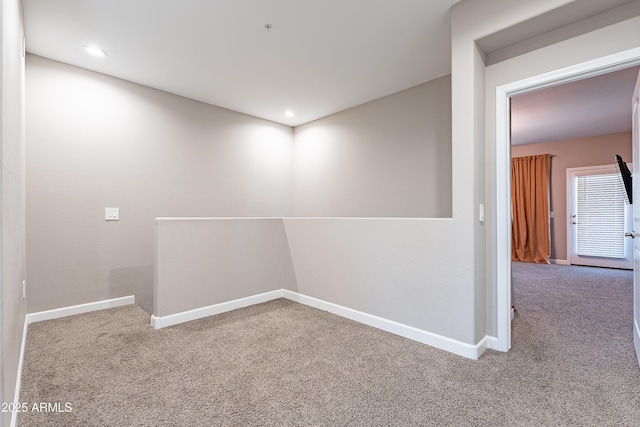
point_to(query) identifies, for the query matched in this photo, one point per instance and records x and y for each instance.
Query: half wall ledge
(376, 271)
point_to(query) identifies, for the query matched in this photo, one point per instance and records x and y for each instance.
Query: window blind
(600, 216)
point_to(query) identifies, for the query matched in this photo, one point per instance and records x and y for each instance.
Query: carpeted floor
(285, 364)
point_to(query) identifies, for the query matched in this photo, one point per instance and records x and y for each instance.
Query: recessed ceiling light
(95, 51)
(289, 113)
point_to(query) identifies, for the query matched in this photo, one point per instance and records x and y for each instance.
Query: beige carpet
(284, 364)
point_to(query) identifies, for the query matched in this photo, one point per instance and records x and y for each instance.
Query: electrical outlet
(112, 214)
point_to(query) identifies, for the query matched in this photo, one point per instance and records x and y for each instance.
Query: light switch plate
(112, 214)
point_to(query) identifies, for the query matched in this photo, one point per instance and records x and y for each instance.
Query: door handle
(632, 235)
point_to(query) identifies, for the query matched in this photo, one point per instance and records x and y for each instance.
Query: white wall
(387, 158)
(94, 141)
(12, 206)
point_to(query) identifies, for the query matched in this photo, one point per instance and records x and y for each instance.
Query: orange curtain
(530, 240)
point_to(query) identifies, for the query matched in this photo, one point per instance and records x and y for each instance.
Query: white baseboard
(491, 343)
(444, 343)
(186, 316)
(559, 261)
(16, 396)
(56, 314)
(79, 309)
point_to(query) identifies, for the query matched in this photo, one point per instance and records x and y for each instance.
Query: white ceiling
(590, 107)
(319, 57)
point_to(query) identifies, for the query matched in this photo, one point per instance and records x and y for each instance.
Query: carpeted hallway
(281, 363)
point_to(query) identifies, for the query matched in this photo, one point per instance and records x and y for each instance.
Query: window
(600, 216)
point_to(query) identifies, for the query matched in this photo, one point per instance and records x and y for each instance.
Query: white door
(636, 217)
(598, 219)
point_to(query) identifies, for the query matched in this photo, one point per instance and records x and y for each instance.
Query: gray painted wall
(157, 155)
(379, 266)
(387, 158)
(202, 262)
(12, 207)
(95, 141)
(403, 270)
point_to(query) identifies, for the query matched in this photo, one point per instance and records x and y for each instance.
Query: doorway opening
(504, 94)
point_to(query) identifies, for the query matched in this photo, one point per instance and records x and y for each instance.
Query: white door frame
(504, 92)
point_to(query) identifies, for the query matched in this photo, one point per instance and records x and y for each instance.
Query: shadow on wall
(136, 279)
